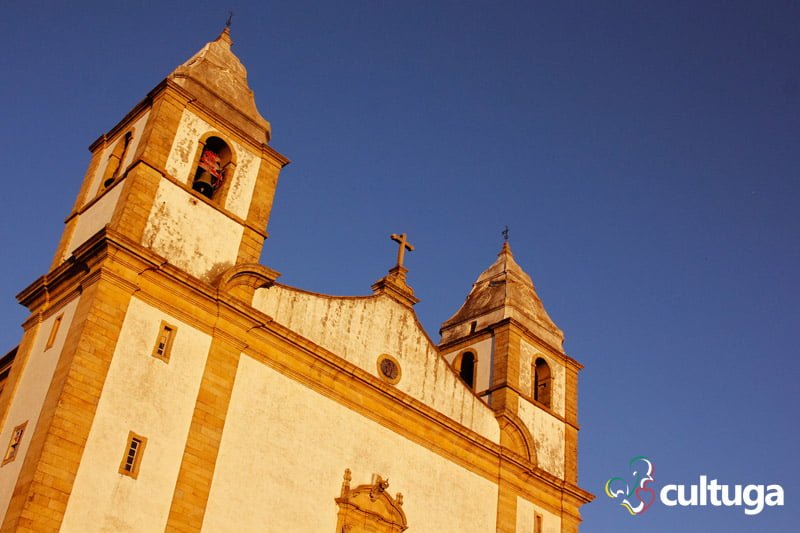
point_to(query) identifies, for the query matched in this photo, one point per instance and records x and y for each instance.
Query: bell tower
(169, 222)
(187, 173)
(504, 346)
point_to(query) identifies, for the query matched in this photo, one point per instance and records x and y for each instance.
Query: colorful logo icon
(637, 497)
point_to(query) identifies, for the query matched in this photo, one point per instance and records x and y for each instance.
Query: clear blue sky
(645, 157)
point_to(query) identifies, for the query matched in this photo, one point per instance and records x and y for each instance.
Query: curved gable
(361, 329)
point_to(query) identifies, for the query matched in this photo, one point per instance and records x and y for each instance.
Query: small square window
(133, 455)
(163, 347)
(14, 443)
(53, 332)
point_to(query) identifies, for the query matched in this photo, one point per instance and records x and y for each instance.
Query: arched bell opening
(466, 365)
(115, 160)
(214, 166)
(542, 382)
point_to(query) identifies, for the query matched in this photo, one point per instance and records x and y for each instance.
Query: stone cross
(404, 245)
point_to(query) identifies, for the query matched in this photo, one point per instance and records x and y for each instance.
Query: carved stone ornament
(369, 508)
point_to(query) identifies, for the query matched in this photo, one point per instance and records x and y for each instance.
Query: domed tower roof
(502, 291)
(219, 80)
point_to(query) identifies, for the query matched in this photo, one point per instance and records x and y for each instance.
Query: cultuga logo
(637, 497)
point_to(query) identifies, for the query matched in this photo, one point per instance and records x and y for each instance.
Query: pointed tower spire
(503, 291)
(218, 79)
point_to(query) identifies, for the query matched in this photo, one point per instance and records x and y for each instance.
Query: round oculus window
(389, 368)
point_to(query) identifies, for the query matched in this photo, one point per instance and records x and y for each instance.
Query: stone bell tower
(505, 347)
(187, 173)
(122, 336)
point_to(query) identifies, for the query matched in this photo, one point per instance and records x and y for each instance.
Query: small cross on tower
(404, 245)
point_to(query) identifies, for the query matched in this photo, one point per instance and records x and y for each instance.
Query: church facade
(166, 381)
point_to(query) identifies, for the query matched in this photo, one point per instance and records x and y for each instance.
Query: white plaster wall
(526, 511)
(290, 446)
(30, 395)
(191, 129)
(529, 354)
(93, 219)
(361, 329)
(136, 129)
(548, 436)
(483, 350)
(184, 146)
(191, 234)
(241, 190)
(149, 397)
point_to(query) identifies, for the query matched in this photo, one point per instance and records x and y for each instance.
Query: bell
(204, 184)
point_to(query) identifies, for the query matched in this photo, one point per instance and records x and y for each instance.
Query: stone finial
(346, 482)
(225, 36)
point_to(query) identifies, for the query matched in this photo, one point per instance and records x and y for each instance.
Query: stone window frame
(538, 522)
(14, 443)
(137, 451)
(164, 353)
(51, 338)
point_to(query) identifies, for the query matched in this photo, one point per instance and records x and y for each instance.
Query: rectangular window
(53, 332)
(133, 455)
(166, 334)
(537, 523)
(14, 443)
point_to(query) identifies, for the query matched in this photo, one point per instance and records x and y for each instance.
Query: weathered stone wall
(191, 234)
(548, 435)
(361, 329)
(182, 156)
